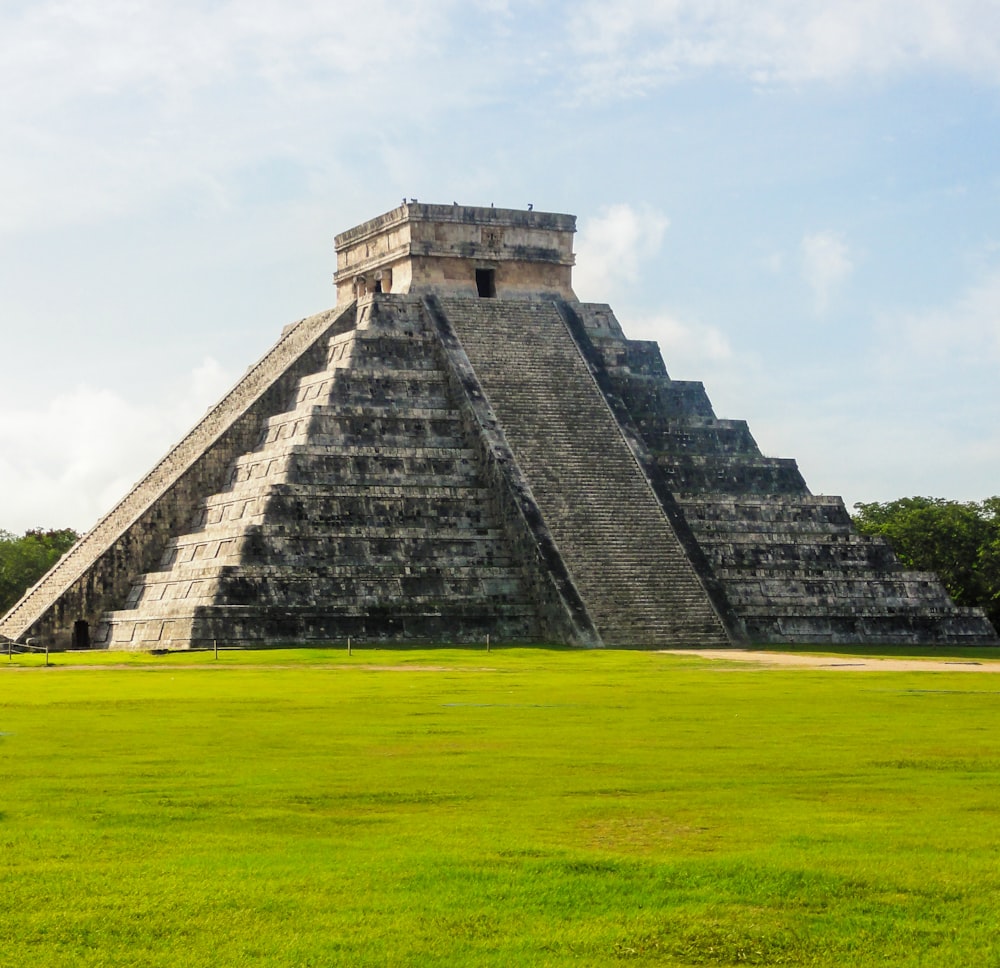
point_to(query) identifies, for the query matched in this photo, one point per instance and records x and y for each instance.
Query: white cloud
(612, 247)
(773, 262)
(918, 416)
(685, 346)
(614, 250)
(111, 105)
(58, 50)
(633, 45)
(870, 446)
(826, 264)
(65, 461)
(207, 381)
(968, 330)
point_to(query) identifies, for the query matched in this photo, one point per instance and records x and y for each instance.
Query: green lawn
(522, 807)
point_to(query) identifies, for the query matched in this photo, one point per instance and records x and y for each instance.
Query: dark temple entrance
(81, 634)
(486, 283)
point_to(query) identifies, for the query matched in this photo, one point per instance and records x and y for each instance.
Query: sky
(800, 201)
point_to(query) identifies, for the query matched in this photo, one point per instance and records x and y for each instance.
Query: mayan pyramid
(459, 449)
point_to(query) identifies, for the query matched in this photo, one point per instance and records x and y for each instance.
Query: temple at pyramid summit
(462, 449)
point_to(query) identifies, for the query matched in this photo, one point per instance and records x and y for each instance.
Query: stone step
(361, 491)
(358, 461)
(362, 544)
(465, 623)
(293, 591)
(366, 556)
(477, 605)
(326, 568)
(750, 531)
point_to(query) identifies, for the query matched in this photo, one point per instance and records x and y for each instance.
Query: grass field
(522, 807)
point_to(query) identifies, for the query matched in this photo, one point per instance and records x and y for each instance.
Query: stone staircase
(791, 565)
(360, 513)
(631, 571)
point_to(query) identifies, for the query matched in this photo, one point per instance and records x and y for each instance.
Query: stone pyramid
(460, 449)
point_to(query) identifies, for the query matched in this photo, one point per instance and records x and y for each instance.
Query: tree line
(960, 540)
(24, 559)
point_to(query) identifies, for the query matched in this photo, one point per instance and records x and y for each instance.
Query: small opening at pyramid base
(81, 634)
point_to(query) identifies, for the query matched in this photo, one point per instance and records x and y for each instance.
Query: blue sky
(799, 201)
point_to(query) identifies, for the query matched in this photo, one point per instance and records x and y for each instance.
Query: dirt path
(846, 663)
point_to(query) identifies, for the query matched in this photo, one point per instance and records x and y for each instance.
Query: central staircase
(628, 565)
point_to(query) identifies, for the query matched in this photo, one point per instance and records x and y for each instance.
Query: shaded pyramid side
(365, 510)
(97, 573)
(790, 563)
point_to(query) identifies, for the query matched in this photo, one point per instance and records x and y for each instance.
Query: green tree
(23, 560)
(960, 540)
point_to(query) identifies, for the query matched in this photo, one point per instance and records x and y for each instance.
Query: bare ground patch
(839, 663)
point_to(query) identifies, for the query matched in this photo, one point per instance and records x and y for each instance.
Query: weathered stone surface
(457, 249)
(462, 449)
